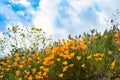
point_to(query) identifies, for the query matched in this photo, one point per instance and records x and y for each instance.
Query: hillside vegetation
(33, 56)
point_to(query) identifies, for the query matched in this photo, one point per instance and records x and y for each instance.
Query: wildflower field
(85, 57)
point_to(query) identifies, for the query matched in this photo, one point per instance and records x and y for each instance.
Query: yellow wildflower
(29, 59)
(83, 47)
(17, 73)
(33, 70)
(105, 36)
(22, 35)
(37, 76)
(118, 49)
(78, 57)
(31, 50)
(2, 63)
(110, 52)
(73, 47)
(116, 35)
(71, 65)
(102, 55)
(27, 73)
(96, 55)
(89, 57)
(61, 54)
(82, 41)
(69, 57)
(117, 42)
(3, 69)
(113, 64)
(23, 62)
(72, 54)
(16, 54)
(9, 57)
(30, 77)
(39, 73)
(89, 42)
(98, 59)
(42, 67)
(65, 62)
(65, 56)
(58, 59)
(9, 66)
(38, 29)
(83, 65)
(25, 76)
(66, 52)
(46, 69)
(29, 66)
(20, 66)
(20, 79)
(61, 75)
(44, 74)
(7, 69)
(94, 37)
(1, 76)
(54, 50)
(83, 53)
(23, 57)
(51, 63)
(72, 42)
(14, 29)
(17, 59)
(47, 49)
(64, 68)
(8, 61)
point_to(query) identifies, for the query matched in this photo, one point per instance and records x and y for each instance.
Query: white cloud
(9, 13)
(21, 13)
(80, 5)
(46, 16)
(107, 9)
(23, 2)
(48, 12)
(102, 16)
(1, 35)
(13, 18)
(74, 25)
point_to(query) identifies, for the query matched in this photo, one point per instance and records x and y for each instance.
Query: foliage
(22, 39)
(79, 58)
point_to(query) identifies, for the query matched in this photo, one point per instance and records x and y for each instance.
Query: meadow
(91, 56)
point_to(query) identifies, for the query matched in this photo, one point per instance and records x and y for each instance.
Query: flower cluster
(78, 58)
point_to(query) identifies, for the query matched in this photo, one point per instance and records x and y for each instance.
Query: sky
(58, 18)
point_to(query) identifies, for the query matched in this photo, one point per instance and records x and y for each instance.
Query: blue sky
(58, 17)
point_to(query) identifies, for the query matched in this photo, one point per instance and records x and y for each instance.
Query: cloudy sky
(58, 17)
